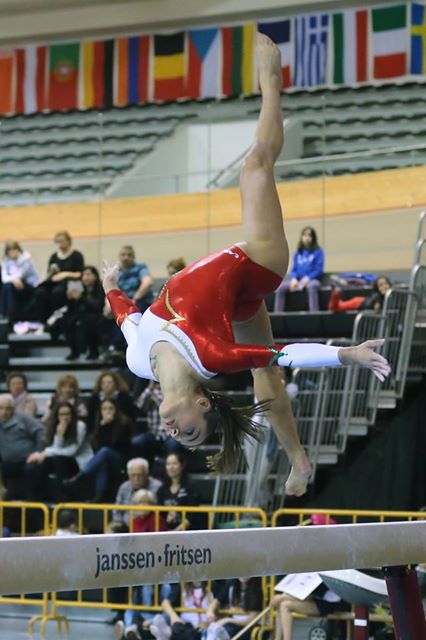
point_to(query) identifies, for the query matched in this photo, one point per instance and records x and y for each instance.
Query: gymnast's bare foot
(298, 479)
(109, 276)
(269, 63)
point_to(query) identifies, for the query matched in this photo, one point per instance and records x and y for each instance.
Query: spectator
(381, 286)
(67, 523)
(239, 593)
(68, 449)
(188, 625)
(67, 390)
(174, 266)
(143, 522)
(64, 266)
(20, 436)
(154, 441)
(23, 402)
(19, 279)
(84, 315)
(139, 478)
(111, 441)
(112, 386)
(306, 273)
(134, 278)
(177, 491)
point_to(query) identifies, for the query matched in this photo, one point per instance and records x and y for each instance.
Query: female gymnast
(210, 317)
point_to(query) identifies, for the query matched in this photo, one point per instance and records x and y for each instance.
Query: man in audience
(139, 478)
(20, 436)
(23, 402)
(135, 279)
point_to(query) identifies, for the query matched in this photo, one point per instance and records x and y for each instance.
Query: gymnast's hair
(234, 424)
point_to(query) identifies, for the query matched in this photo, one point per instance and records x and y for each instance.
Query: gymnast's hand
(365, 356)
(109, 276)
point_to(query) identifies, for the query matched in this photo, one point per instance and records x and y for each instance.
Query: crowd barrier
(96, 518)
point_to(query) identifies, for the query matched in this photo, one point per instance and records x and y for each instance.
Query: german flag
(169, 66)
(96, 74)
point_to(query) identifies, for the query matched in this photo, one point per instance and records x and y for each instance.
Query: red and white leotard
(195, 311)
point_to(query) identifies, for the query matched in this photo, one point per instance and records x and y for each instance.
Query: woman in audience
(84, 315)
(374, 302)
(174, 266)
(23, 402)
(64, 268)
(306, 273)
(19, 279)
(111, 441)
(237, 593)
(68, 449)
(178, 491)
(67, 390)
(112, 386)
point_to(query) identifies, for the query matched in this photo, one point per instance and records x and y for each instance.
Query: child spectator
(174, 266)
(239, 593)
(23, 402)
(188, 625)
(67, 390)
(82, 320)
(19, 279)
(67, 523)
(381, 286)
(306, 273)
(178, 491)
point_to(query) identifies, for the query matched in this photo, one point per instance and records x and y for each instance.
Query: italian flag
(349, 47)
(389, 41)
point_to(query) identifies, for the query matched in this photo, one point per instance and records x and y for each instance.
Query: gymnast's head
(202, 415)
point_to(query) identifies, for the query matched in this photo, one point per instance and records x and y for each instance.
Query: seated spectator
(142, 522)
(306, 273)
(20, 436)
(155, 440)
(19, 279)
(82, 320)
(178, 491)
(23, 402)
(139, 478)
(68, 450)
(237, 593)
(67, 390)
(112, 386)
(111, 441)
(64, 266)
(374, 302)
(174, 266)
(187, 625)
(67, 523)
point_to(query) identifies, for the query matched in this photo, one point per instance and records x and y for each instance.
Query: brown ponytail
(235, 423)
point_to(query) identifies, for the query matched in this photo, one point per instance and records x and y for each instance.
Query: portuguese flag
(63, 76)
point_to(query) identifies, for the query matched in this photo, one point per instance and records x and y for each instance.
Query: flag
(92, 75)
(281, 32)
(389, 41)
(63, 76)
(169, 66)
(348, 61)
(418, 39)
(203, 74)
(131, 70)
(31, 79)
(7, 80)
(238, 60)
(311, 36)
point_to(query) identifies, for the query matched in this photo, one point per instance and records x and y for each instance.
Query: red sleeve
(227, 357)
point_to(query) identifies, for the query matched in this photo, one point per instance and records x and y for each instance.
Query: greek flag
(311, 50)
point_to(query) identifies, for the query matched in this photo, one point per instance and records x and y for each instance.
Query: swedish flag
(418, 39)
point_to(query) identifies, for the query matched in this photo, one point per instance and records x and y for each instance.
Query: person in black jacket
(84, 315)
(110, 385)
(178, 491)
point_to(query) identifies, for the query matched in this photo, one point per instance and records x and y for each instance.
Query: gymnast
(211, 317)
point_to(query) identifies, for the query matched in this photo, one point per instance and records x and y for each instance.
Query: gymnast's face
(185, 420)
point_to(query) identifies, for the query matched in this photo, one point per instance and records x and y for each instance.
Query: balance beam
(39, 564)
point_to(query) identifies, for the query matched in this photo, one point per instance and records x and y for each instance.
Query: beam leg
(406, 604)
(361, 623)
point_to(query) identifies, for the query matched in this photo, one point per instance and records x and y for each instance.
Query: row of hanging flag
(350, 47)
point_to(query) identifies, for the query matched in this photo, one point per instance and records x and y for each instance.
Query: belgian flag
(169, 66)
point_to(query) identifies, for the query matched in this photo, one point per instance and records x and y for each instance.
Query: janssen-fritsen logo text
(170, 557)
